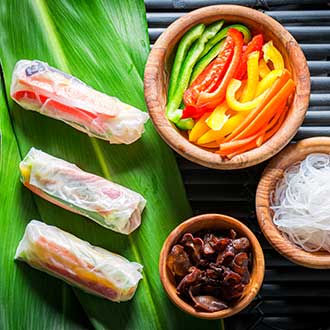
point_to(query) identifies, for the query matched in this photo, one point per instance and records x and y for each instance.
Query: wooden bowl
(267, 184)
(213, 222)
(158, 68)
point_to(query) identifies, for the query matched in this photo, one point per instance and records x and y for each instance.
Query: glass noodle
(301, 203)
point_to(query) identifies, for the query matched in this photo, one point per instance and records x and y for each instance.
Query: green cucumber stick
(184, 45)
(173, 112)
(223, 33)
(206, 60)
(185, 124)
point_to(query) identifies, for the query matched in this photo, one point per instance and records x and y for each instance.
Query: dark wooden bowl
(213, 222)
(158, 68)
(267, 184)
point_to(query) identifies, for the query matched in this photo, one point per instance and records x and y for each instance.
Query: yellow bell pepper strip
(218, 117)
(199, 128)
(276, 104)
(279, 83)
(241, 91)
(253, 77)
(263, 68)
(209, 136)
(268, 81)
(272, 54)
(227, 128)
(236, 105)
(210, 99)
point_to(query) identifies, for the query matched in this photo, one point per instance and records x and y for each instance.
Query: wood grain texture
(213, 222)
(158, 68)
(271, 175)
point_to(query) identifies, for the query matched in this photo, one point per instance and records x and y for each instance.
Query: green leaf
(104, 43)
(26, 302)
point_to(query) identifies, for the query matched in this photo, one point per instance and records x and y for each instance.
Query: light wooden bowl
(213, 222)
(158, 68)
(271, 175)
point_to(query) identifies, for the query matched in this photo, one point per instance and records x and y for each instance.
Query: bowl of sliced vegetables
(227, 86)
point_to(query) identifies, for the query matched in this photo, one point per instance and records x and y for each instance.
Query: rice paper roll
(42, 88)
(65, 256)
(66, 185)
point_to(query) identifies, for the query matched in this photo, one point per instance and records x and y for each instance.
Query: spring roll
(42, 88)
(66, 185)
(77, 262)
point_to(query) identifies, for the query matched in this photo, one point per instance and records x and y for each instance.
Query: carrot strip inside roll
(66, 185)
(75, 261)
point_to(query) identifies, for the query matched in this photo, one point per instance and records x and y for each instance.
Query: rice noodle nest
(301, 203)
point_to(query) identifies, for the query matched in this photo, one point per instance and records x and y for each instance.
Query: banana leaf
(105, 44)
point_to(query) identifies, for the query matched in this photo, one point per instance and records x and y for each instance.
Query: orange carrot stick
(271, 124)
(212, 145)
(236, 143)
(280, 82)
(277, 103)
(245, 148)
(228, 147)
(260, 139)
(267, 136)
(276, 127)
(231, 149)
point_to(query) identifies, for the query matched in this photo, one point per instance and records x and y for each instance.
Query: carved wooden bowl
(213, 222)
(159, 65)
(267, 184)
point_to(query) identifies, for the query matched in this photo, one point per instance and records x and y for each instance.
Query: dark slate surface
(292, 297)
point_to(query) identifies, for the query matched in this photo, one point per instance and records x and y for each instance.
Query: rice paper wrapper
(42, 88)
(93, 269)
(64, 184)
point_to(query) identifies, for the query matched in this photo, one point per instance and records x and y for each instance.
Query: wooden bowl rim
(201, 156)
(299, 151)
(258, 268)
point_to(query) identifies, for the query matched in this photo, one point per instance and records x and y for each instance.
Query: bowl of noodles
(293, 202)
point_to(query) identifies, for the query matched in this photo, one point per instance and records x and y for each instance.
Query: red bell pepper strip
(74, 111)
(210, 100)
(192, 112)
(254, 45)
(211, 75)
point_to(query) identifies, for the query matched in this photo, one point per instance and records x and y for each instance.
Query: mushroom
(178, 261)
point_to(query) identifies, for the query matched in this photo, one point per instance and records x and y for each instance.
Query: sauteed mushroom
(211, 270)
